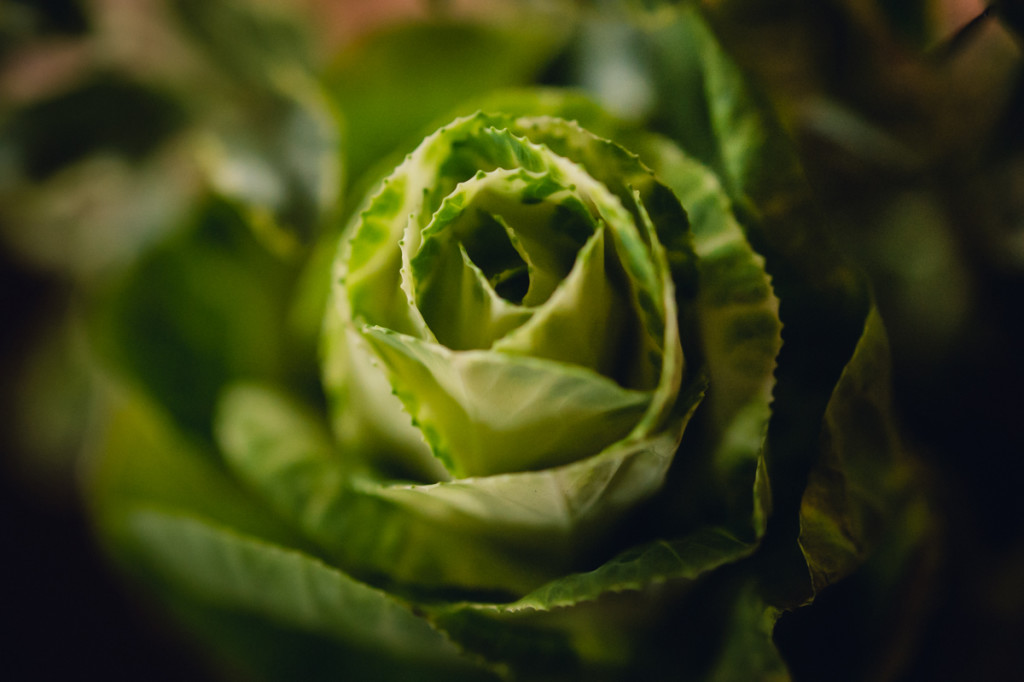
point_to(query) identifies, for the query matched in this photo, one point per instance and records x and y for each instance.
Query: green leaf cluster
(596, 400)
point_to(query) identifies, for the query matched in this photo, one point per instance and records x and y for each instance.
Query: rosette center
(518, 306)
(496, 249)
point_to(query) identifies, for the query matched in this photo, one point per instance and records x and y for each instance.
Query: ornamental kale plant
(593, 403)
(511, 287)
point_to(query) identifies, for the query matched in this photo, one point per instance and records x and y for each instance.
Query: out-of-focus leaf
(280, 159)
(142, 459)
(108, 114)
(747, 651)
(719, 118)
(391, 85)
(22, 21)
(97, 213)
(862, 476)
(238, 572)
(1012, 12)
(717, 115)
(87, 177)
(611, 64)
(274, 140)
(251, 41)
(202, 308)
(910, 19)
(248, 646)
(53, 408)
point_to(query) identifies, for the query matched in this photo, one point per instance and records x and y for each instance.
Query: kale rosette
(506, 337)
(562, 437)
(522, 326)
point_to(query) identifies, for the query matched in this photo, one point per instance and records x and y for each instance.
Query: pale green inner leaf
(507, 532)
(485, 413)
(582, 323)
(557, 501)
(367, 420)
(541, 282)
(277, 448)
(463, 308)
(471, 302)
(405, 205)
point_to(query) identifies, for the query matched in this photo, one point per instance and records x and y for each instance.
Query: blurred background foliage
(171, 172)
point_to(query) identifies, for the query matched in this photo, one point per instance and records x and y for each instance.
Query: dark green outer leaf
(748, 652)
(721, 118)
(685, 558)
(589, 621)
(738, 324)
(233, 571)
(862, 477)
(727, 124)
